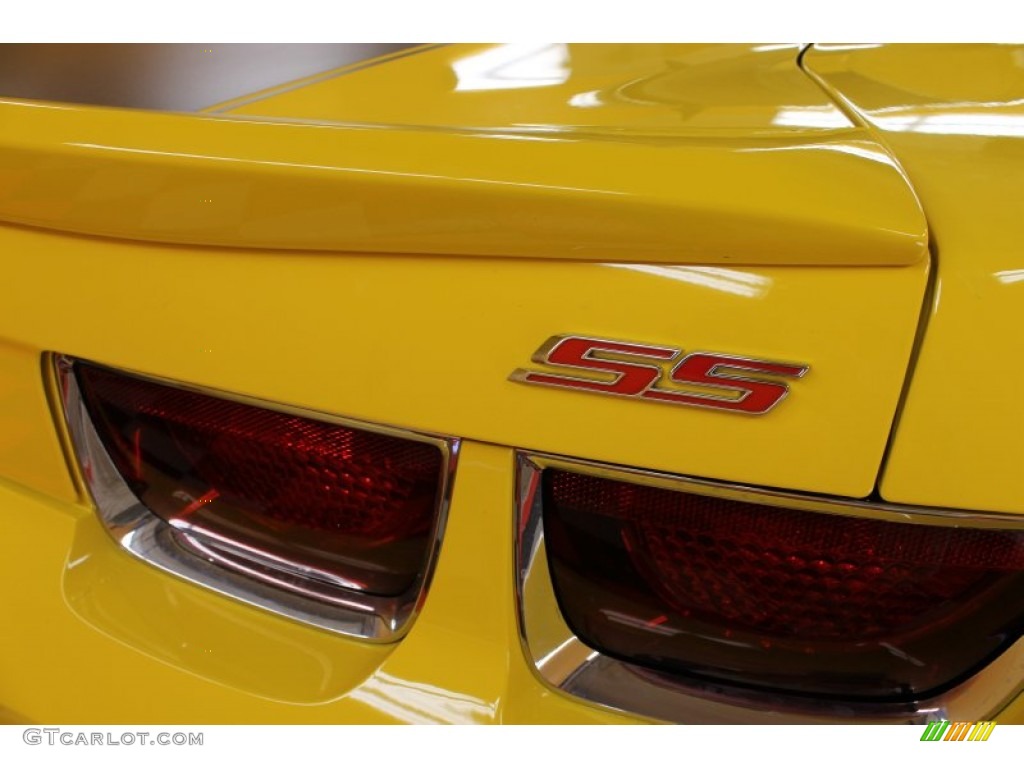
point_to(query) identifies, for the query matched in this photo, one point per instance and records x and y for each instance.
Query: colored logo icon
(943, 730)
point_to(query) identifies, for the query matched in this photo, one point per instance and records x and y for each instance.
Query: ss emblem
(627, 369)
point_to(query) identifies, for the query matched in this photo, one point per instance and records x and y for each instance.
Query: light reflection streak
(900, 654)
(547, 658)
(586, 99)
(637, 622)
(963, 118)
(421, 703)
(776, 47)
(849, 148)
(37, 105)
(1008, 276)
(960, 106)
(846, 46)
(368, 171)
(811, 117)
(513, 66)
(564, 660)
(748, 284)
(959, 124)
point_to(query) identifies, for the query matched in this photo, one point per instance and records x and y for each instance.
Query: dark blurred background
(177, 77)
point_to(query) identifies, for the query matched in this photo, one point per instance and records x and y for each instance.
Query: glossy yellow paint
(429, 343)
(662, 189)
(629, 211)
(28, 453)
(104, 638)
(368, 338)
(954, 117)
(1013, 713)
(580, 90)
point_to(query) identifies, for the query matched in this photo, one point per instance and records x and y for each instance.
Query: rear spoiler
(835, 198)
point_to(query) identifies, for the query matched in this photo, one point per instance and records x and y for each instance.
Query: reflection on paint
(732, 281)
(587, 99)
(964, 119)
(507, 67)
(1010, 276)
(810, 117)
(421, 703)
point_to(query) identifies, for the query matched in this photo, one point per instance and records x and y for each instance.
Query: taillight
(327, 511)
(731, 589)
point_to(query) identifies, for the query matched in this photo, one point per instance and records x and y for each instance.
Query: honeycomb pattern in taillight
(322, 505)
(776, 598)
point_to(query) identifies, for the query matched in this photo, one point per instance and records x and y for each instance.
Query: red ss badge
(701, 379)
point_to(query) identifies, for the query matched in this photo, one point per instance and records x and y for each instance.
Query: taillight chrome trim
(562, 661)
(144, 535)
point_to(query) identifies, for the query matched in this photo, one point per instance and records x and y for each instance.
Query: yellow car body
(390, 242)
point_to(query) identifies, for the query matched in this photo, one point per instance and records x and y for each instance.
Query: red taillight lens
(778, 598)
(323, 505)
